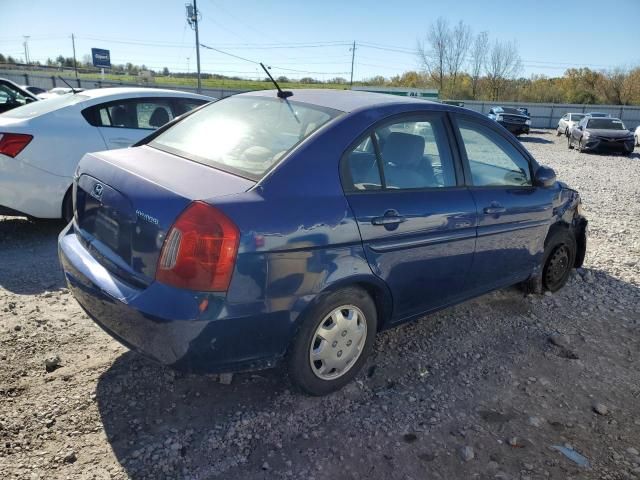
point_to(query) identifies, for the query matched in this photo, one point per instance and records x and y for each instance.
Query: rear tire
(333, 342)
(559, 258)
(67, 206)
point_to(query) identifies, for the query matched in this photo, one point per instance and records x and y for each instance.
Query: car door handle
(390, 217)
(494, 208)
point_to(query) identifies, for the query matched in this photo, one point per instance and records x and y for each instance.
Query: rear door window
(147, 114)
(403, 155)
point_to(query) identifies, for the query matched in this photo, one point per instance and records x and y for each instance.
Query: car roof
(136, 91)
(343, 100)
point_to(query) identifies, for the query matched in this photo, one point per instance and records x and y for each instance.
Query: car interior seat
(406, 165)
(159, 117)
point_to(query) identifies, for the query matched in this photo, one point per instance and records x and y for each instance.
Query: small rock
(226, 378)
(467, 453)
(51, 363)
(600, 409)
(535, 421)
(17, 328)
(513, 441)
(265, 466)
(560, 340)
(70, 457)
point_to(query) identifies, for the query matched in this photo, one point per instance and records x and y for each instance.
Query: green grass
(209, 83)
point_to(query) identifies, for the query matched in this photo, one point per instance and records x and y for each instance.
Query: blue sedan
(261, 230)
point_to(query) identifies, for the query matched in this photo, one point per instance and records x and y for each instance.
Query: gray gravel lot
(482, 390)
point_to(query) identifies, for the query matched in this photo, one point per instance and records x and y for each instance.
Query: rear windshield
(605, 124)
(41, 107)
(243, 135)
(575, 117)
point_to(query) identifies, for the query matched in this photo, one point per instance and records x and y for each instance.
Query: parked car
(41, 143)
(597, 133)
(597, 115)
(636, 135)
(13, 96)
(54, 92)
(33, 90)
(524, 111)
(258, 230)
(511, 118)
(567, 122)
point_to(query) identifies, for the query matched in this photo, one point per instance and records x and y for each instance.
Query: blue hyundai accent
(259, 229)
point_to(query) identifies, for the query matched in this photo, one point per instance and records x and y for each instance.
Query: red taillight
(199, 252)
(12, 144)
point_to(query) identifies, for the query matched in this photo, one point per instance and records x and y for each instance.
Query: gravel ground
(482, 390)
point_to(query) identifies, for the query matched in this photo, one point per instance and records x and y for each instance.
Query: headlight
(527, 122)
(498, 118)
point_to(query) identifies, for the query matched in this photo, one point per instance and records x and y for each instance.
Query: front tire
(333, 342)
(559, 258)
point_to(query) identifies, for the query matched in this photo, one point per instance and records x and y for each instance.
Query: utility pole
(75, 64)
(192, 18)
(353, 57)
(26, 48)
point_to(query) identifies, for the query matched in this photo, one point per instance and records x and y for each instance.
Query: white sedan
(567, 122)
(636, 135)
(42, 142)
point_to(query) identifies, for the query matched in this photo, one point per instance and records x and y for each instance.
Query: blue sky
(551, 35)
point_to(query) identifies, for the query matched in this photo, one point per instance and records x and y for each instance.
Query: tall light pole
(353, 57)
(26, 49)
(192, 18)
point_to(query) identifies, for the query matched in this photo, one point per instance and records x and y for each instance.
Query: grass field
(210, 82)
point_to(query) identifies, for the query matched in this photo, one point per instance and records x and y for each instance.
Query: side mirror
(545, 176)
(580, 127)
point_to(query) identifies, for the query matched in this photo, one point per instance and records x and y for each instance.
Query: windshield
(41, 107)
(576, 117)
(244, 135)
(509, 110)
(605, 124)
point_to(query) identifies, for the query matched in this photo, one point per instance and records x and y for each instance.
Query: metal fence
(546, 115)
(50, 81)
(543, 115)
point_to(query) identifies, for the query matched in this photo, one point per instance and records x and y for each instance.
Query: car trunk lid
(126, 201)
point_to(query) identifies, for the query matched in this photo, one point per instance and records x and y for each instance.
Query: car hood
(609, 133)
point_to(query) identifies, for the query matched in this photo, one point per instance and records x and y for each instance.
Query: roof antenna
(68, 84)
(281, 93)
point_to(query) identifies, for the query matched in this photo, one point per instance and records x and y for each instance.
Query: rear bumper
(199, 332)
(515, 128)
(30, 191)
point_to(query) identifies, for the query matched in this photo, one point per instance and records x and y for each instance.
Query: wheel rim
(338, 342)
(557, 266)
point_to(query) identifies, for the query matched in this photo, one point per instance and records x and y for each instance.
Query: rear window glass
(41, 107)
(576, 118)
(605, 124)
(243, 135)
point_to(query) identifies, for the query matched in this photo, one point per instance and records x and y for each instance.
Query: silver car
(567, 122)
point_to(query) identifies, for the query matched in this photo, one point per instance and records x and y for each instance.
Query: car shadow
(150, 412)
(142, 404)
(534, 140)
(28, 255)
